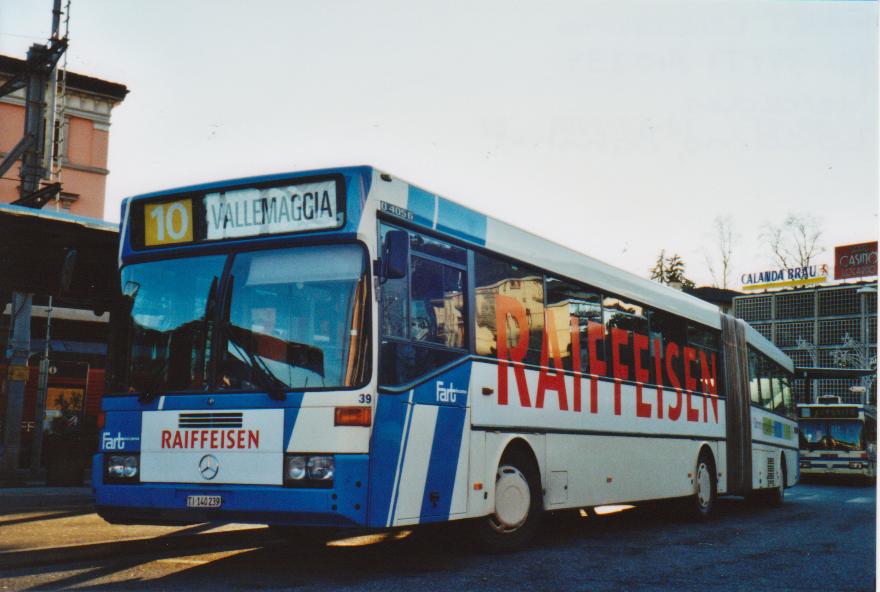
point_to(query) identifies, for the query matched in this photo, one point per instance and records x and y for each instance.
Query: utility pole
(42, 390)
(40, 66)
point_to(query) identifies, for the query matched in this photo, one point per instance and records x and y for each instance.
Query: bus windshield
(830, 434)
(294, 318)
(297, 318)
(164, 330)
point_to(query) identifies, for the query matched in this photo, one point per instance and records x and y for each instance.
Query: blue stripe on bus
(447, 389)
(449, 392)
(385, 443)
(443, 464)
(399, 472)
(290, 415)
(421, 204)
(121, 432)
(461, 222)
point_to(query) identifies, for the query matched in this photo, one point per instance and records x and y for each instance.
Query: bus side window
(629, 317)
(672, 331)
(520, 290)
(437, 303)
(754, 382)
(778, 388)
(571, 309)
(765, 376)
(707, 342)
(423, 316)
(786, 395)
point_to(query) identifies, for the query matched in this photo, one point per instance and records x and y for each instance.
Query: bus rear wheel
(705, 487)
(518, 506)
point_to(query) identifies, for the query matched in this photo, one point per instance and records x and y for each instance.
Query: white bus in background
(340, 348)
(838, 438)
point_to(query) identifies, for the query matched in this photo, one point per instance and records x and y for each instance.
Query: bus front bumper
(837, 467)
(342, 505)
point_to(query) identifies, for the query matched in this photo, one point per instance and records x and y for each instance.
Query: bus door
(419, 453)
(737, 407)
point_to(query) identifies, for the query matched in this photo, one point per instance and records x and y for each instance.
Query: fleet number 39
(168, 223)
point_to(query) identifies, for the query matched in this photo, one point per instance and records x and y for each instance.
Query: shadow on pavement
(408, 559)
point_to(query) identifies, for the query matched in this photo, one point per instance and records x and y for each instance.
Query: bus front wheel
(518, 506)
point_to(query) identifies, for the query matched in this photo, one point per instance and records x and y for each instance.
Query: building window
(835, 332)
(838, 302)
(791, 334)
(67, 199)
(798, 305)
(753, 308)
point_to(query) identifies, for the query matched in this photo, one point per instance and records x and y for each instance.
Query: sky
(618, 128)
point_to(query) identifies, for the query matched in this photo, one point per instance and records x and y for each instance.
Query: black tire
(702, 502)
(506, 529)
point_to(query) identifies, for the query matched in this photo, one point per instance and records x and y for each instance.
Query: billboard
(855, 261)
(788, 277)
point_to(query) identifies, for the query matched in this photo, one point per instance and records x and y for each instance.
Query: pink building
(89, 103)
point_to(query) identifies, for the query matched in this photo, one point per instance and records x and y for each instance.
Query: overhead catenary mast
(40, 68)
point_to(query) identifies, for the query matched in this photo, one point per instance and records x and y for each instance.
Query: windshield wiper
(274, 387)
(268, 380)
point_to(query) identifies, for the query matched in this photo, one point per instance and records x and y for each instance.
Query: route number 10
(168, 223)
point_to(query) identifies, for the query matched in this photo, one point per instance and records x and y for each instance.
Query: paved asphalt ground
(823, 539)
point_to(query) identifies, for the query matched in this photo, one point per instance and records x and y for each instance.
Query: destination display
(830, 412)
(240, 212)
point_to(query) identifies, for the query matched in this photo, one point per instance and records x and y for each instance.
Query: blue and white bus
(340, 348)
(838, 439)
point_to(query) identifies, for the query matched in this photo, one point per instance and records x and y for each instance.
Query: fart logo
(448, 394)
(117, 442)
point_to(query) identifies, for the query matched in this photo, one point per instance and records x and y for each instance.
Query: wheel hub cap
(704, 485)
(512, 498)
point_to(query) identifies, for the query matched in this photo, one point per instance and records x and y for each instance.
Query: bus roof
(450, 218)
(427, 210)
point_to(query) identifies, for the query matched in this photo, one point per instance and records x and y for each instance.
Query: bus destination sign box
(830, 412)
(241, 212)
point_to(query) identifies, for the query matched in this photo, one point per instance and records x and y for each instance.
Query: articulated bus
(838, 438)
(340, 348)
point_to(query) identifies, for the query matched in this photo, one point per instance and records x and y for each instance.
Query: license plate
(203, 501)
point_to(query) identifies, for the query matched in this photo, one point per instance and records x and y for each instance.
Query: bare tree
(794, 243)
(725, 237)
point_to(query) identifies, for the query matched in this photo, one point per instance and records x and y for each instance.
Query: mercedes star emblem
(209, 466)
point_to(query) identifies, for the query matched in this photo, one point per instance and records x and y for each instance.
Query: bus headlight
(855, 465)
(121, 468)
(295, 469)
(321, 468)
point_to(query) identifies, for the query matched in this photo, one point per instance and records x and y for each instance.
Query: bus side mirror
(395, 254)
